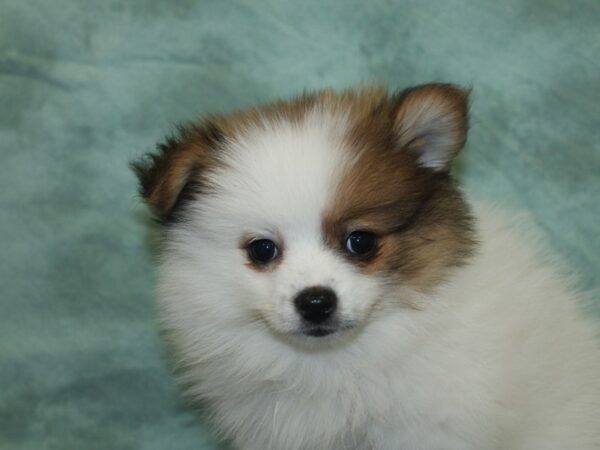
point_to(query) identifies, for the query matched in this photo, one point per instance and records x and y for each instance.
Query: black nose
(316, 304)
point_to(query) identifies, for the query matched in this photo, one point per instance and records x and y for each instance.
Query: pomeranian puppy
(325, 285)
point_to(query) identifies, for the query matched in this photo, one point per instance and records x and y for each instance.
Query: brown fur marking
(422, 221)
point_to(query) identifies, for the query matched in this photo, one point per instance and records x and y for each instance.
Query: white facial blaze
(277, 181)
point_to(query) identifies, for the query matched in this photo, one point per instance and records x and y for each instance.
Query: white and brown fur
(455, 334)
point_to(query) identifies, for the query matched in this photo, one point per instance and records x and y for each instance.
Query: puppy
(324, 284)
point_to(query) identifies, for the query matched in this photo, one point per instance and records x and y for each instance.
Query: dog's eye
(262, 251)
(361, 243)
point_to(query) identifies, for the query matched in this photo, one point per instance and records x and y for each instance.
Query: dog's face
(307, 217)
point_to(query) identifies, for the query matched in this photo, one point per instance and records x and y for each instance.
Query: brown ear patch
(172, 174)
(431, 121)
(423, 224)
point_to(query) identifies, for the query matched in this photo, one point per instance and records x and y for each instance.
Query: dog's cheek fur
(441, 237)
(420, 240)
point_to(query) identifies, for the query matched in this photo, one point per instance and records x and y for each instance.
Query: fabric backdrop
(85, 86)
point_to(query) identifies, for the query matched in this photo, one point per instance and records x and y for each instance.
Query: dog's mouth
(320, 331)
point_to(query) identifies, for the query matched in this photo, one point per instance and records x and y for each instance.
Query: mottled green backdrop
(87, 85)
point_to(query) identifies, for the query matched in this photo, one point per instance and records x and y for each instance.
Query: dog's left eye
(361, 243)
(262, 251)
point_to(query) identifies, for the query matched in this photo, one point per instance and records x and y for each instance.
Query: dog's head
(306, 217)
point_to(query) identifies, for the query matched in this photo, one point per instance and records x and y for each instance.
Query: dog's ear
(174, 172)
(431, 120)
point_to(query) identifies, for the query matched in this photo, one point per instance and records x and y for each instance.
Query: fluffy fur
(457, 334)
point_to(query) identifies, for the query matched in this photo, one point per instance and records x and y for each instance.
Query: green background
(85, 86)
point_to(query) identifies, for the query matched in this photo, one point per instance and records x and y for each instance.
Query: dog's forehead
(284, 173)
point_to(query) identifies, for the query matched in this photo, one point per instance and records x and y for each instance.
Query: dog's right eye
(262, 251)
